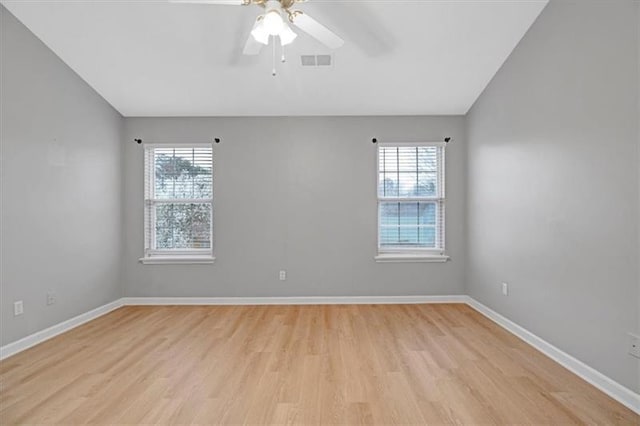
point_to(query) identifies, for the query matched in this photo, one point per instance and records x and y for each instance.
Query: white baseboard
(615, 390)
(46, 334)
(313, 300)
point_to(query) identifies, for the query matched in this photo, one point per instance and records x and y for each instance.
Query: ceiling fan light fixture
(272, 22)
(287, 35)
(259, 33)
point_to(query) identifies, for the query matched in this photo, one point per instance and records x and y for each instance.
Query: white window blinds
(411, 198)
(178, 200)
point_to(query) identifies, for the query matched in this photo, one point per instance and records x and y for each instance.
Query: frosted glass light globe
(273, 22)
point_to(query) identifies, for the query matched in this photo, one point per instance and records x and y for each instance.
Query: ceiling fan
(274, 22)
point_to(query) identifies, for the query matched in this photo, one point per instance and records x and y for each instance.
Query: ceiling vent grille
(308, 60)
(323, 60)
(316, 60)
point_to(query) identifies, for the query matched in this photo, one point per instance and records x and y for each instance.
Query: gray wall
(297, 194)
(553, 184)
(61, 193)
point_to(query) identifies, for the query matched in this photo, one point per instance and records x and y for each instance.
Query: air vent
(308, 60)
(323, 60)
(315, 60)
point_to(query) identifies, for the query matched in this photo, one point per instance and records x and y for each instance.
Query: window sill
(177, 260)
(409, 258)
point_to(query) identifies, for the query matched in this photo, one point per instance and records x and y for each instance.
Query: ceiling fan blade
(316, 30)
(363, 27)
(220, 2)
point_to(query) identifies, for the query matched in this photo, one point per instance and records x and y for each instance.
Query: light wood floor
(382, 364)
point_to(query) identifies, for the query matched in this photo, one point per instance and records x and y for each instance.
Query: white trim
(151, 203)
(439, 201)
(46, 334)
(301, 300)
(615, 390)
(409, 258)
(177, 260)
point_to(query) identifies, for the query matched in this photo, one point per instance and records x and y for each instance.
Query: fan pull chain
(273, 57)
(283, 59)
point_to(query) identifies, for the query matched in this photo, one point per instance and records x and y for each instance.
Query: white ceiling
(154, 58)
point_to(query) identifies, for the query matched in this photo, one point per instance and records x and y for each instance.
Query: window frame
(415, 254)
(153, 255)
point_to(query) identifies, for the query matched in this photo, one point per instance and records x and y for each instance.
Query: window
(411, 202)
(178, 205)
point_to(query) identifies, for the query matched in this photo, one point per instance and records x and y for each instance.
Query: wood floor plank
(341, 364)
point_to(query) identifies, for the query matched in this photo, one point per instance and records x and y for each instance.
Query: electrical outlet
(51, 298)
(634, 345)
(505, 289)
(18, 308)
(283, 275)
